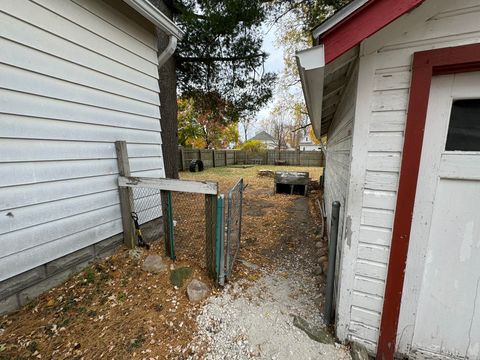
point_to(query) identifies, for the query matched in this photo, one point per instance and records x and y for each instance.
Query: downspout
(168, 52)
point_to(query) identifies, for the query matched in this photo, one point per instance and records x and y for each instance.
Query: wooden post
(226, 157)
(126, 195)
(210, 233)
(168, 236)
(235, 157)
(266, 157)
(182, 159)
(213, 158)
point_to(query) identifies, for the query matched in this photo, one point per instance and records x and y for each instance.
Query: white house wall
(384, 81)
(338, 152)
(75, 77)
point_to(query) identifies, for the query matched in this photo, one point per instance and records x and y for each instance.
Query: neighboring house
(266, 138)
(75, 77)
(306, 144)
(395, 85)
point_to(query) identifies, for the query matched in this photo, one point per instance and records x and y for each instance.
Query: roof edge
(155, 16)
(337, 17)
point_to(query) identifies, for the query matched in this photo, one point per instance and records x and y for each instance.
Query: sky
(274, 63)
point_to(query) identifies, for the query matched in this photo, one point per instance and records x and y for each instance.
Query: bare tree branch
(301, 127)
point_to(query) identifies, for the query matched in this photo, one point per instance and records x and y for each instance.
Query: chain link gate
(229, 220)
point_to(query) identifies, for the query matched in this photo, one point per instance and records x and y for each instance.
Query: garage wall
(75, 76)
(384, 80)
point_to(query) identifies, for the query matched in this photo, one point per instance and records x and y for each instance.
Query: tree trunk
(168, 101)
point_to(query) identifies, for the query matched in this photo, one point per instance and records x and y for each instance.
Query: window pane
(464, 126)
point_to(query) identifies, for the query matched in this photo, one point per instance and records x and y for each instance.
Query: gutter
(311, 67)
(162, 22)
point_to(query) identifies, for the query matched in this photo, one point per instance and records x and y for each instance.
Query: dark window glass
(464, 127)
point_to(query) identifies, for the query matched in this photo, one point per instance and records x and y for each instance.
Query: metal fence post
(332, 253)
(220, 240)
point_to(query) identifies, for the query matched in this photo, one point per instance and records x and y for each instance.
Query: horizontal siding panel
(25, 195)
(379, 199)
(385, 141)
(29, 216)
(373, 287)
(366, 300)
(373, 252)
(364, 331)
(377, 180)
(31, 83)
(397, 80)
(118, 20)
(33, 128)
(21, 32)
(17, 150)
(377, 217)
(17, 103)
(96, 25)
(21, 56)
(388, 121)
(22, 240)
(390, 100)
(34, 172)
(23, 261)
(371, 269)
(375, 235)
(383, 161)
(367, 317)
(44, 19)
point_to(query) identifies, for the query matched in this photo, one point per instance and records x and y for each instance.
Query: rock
(178, 276)
(265, 172)
(314, 332)
(197, 291)
(358, 352)
(154, 264)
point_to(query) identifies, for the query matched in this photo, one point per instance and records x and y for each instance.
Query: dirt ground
(114, 310)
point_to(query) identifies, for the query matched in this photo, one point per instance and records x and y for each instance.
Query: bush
(253, 146)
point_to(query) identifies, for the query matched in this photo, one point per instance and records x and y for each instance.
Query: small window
(464, 127)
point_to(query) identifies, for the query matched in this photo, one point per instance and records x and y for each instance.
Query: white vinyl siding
(75, 76)
(434, 24)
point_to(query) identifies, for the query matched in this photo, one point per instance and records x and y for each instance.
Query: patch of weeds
(124, 281)
(92, 313)
(136, 343)
(65, 322)
(89, 276)
(69, 303)
(33, 304)
(32, 346)
(122, 297)
(81, 310)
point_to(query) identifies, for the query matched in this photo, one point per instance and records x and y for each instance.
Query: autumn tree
(220, 54)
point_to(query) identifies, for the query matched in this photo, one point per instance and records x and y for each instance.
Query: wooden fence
(217, 158)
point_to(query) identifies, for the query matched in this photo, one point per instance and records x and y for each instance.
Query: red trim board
(425, 65)
(361, 24)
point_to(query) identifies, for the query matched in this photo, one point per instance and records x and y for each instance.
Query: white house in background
(395, 85)
(266, 138)
(75, 76)
(306, 144)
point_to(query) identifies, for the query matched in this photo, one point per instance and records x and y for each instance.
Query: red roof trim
(426, 64)
(363, 23)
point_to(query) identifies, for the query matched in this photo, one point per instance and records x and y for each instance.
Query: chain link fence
(147, 206)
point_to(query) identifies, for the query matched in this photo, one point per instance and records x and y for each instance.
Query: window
(464, 126)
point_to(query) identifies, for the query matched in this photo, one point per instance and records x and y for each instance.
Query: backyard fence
(197, 226)
(218, 158)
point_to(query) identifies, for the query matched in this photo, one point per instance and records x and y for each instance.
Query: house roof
(263, 136)
(325, 69)
(156, 17)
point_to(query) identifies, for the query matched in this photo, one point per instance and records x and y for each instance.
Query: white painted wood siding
(382, 104)
(75, 76)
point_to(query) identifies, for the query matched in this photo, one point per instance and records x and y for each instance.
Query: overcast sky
(274, 63)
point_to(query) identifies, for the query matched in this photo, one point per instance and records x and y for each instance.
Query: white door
(440, 315)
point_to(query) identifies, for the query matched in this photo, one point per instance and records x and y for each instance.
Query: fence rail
(218, 158)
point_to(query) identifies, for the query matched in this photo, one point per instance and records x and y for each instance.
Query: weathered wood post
(210, 233)
(182, 159)
(126, 195)
(235, 157)
(213, 158)
(168, 235)
(226, 157)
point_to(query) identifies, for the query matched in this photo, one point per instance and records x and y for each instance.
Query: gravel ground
(254, 319)
(257, 322)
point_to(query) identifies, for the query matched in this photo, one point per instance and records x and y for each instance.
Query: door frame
(426, 64)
